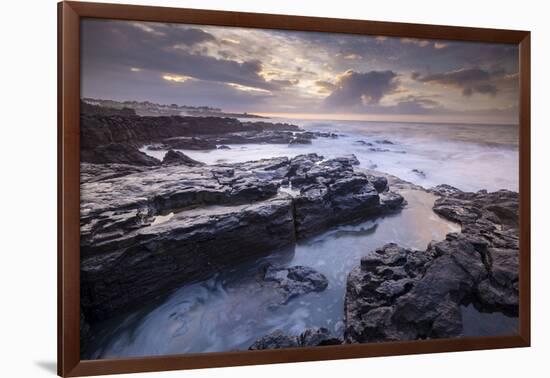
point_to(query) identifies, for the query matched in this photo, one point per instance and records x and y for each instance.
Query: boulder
(311, 337)
(177, 157)
(295, 281)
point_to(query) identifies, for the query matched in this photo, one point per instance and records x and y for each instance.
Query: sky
(300, 74)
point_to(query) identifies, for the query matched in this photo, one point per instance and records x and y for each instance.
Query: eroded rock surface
(311, 337)
(171, 225)
(295, 281)
(403, 294)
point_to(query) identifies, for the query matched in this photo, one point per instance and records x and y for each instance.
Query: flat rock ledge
(311, 337)
(171, 225)
(402, 294)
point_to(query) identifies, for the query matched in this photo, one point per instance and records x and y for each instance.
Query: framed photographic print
(240, 188)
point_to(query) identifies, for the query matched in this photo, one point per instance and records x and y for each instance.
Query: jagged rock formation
(311, 337)
(402, 294)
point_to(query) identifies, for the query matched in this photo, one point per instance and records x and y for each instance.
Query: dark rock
(99, 129)
(380, 183)
(170, 225)
(384, 141)
(401, 294)
(121, 272)
(391, 200)
(419, 173)
(275, 340)
(363, 143)
(157, 147)
(311, 337)
(295, 281)
(90, 173)
(347, 160)
(177, 157)
(117, 153)
(300, 139)
(224, 147)
(189, 143)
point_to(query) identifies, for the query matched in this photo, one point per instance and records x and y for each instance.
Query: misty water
(233, 309)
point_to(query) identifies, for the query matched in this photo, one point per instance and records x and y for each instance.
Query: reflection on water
(233, 309)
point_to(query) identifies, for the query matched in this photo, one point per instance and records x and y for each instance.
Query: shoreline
(178, 221)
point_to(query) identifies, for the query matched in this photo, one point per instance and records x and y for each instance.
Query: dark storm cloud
(356, 88)
(157, 47)
(470, 81)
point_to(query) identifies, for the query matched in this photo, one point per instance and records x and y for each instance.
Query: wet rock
(117, 153)
(275, 340)
(295, 281)
(90, 173)
(299, 139)
(401, 294)
(378, 149)
(332, 193)
(391, 200)
(363, 143)
(311, 337)
(171, 225)
(380, 183)
(419, 173)
(177, 157)
(189, 143)
(121, 270)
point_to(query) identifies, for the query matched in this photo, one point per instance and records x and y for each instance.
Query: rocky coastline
(177, 221)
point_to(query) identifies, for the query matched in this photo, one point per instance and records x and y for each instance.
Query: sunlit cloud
(245, 88)
(352, 56)
(440, 45)
(176, 78)
(135, 69)
(146, 28)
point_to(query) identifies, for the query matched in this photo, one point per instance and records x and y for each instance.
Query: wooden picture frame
(69, 16)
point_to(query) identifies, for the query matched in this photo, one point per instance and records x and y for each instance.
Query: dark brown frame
(69, 14)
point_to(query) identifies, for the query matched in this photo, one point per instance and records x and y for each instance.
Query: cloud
(325, 86)
(158, 48)
(356, 88)
(470, 80)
